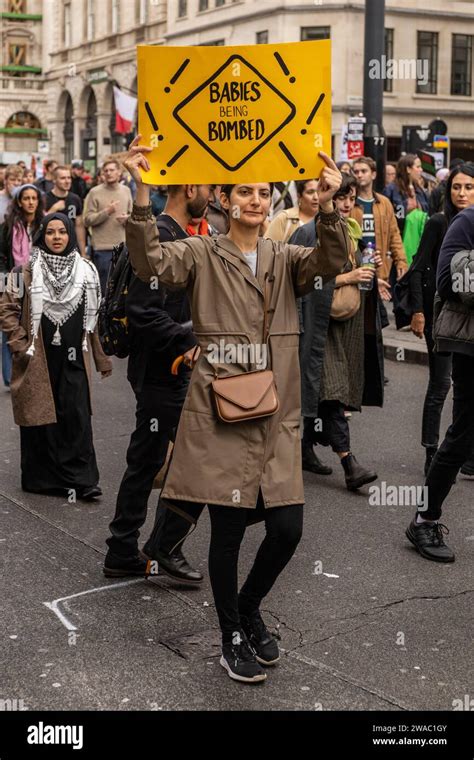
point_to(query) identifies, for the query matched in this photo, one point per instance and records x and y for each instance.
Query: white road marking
(330, 575)
(53, 606)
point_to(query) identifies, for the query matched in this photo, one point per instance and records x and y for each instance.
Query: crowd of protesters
(288, 271)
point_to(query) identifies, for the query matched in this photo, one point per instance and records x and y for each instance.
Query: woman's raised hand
(136, 159)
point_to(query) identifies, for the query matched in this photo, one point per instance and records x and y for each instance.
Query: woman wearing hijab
(49, 311)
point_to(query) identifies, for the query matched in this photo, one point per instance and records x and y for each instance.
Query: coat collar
(228, 250)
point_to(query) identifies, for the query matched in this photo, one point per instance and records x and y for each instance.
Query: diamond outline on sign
(206, 147)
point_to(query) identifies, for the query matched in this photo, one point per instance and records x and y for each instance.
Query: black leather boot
(175, 566)
(356, 475)
(311, 462)
(430, 452)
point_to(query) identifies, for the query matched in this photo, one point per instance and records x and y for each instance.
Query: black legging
(439, 384)
(458, 442)
(283, 532)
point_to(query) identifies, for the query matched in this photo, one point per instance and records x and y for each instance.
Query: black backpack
(113, 321)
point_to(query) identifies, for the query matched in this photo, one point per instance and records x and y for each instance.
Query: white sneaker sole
(235, 677)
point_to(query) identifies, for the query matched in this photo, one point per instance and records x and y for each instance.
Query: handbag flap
(246, 390)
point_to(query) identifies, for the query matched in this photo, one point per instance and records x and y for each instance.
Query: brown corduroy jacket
(387, 234)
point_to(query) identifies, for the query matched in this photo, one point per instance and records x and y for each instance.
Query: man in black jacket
(453, 332)
(160, 331)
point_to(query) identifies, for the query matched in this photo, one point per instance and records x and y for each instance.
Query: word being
(463, 282)
(45, 734)
(403, 68)
(398, 496)
(240, 353)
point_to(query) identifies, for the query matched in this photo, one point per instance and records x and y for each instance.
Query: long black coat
(314, 310)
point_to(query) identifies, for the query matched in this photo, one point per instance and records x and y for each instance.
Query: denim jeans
(102, 260)
(458, 443)
(6, 361)
(438, 388)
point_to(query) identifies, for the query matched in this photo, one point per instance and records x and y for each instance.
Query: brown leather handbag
(250, 395)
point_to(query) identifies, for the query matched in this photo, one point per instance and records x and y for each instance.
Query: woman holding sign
(238, 445)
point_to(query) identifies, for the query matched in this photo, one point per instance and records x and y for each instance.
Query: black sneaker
(120, 567)
(427, 538)
(240, 662)
(468, 469)
(260, 638)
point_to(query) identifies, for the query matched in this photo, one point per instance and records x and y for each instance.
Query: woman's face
(29, 201)
(248, 204)
(309, 202)
(462, 191)
(414, 172)
(56, 236)
(29, 176)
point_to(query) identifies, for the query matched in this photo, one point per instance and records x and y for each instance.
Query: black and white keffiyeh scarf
(59, 284)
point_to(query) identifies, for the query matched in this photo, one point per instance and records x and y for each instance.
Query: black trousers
(283, 527)
(458, 443)
(157, 416)
(335, 427)
(439, 384)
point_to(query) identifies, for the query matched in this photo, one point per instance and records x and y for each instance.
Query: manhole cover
(196, 646)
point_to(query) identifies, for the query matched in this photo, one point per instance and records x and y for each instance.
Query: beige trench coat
(32, 397)
(216, 462)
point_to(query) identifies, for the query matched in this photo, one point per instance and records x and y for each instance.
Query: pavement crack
(285, 625)
(380, 607)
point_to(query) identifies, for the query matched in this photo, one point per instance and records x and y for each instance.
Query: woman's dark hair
(16, 213)
(450, 209)
(227, 189)
(301, 186)
(348, 182)
(340, 164)
(402, 180)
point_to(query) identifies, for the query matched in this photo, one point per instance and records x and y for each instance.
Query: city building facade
(62, 57)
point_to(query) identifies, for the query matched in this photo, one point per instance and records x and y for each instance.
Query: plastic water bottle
(368, 262)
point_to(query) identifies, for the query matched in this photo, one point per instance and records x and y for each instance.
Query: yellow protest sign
(250, 113)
